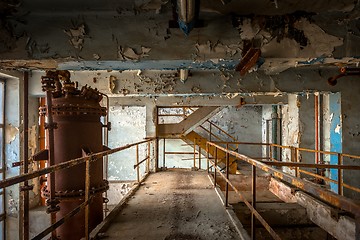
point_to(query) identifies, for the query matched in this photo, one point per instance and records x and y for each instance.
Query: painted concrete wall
(128, 126)
(244, 124)
(12, 154)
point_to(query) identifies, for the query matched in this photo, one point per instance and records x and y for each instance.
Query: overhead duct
(186, 10)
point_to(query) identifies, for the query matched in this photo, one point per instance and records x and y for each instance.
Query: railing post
(194, 153)
(296, 159)
(137, 164)
(215, 167)
(227, 177)
(270, 152)
(164, 150)
(253, 203)
(148, 158)
(340, 182)
(87, 195)
(210, 130)
(207, 158)
(199, 150)
(156, 147)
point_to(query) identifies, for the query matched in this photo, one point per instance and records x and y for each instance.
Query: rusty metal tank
(78, 130)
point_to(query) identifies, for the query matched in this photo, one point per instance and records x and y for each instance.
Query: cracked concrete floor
(175, 204)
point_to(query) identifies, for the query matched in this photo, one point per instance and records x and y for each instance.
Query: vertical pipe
(156, 155)
(317, 143)
(42, 140)
(296, 159)
(148, 158)
(227, 177)
(253, 202)
(194, 153)
(50, 128)
(3, 158)
(215, 167)
(199, 150)
(207, 158)
(274, 119)
(106, 143)
(87, 195)
(210, 132)
(164, 150)
(26, 155)
(340, 181)
(137, 163)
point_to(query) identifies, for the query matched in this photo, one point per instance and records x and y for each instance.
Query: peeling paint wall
(244, 124)
(33, 148)
(290, 127)
(128, 126)
(140, 30)
(12, 154)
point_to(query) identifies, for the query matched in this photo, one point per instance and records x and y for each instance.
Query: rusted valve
(344, 71)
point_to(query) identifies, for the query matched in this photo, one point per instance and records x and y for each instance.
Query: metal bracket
(41, 156)
(26, 188)
(52, 206)
(51, 125)
(108, 126)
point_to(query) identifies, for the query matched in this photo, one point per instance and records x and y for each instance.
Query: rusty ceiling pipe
(78, 131)
(344, 71)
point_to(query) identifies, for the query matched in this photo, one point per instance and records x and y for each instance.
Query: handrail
(72, 163)
(325, 195)
(76, 161)
(296, 150)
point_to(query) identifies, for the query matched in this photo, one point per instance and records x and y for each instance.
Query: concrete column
(151, 132)
(332, 132)
(291, 133)
(12, 154)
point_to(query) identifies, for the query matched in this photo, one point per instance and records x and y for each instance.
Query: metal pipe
(207, 158)
(137, 163)
(340, 183)
(194, 152)
(199, 149)
(26, 155)
(227, 177)
(215, 167)
(274, 125)
(106, 143)
(148, 158)
(253, 202)
(50, 128)
(87, 195)
(164, 153)
(311, 165)
(3, 154)
(156, 147)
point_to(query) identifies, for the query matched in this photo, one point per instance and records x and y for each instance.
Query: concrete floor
(175, 204)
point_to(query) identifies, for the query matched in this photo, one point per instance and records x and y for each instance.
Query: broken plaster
(10, 133)
(77, 36)
(127, 53)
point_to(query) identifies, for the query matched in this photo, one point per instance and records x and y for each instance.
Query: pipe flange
(74, 110)
(71, 194)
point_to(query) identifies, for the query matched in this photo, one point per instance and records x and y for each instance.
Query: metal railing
(336, 200)
(88, 159)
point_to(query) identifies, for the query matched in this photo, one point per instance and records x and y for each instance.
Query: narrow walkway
(176, 204)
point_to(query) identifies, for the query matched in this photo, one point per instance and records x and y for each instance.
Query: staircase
(199, 119)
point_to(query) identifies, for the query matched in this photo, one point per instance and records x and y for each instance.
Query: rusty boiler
(76, 131)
